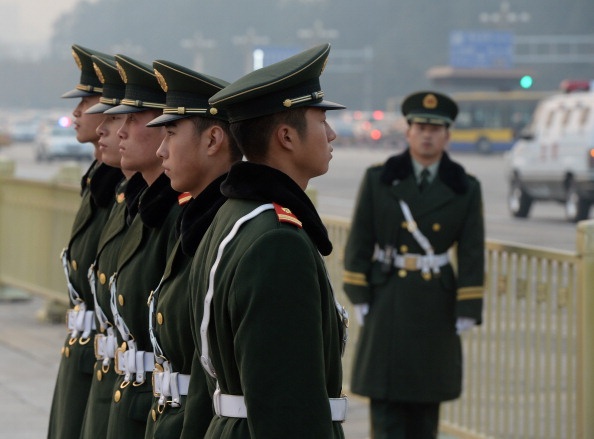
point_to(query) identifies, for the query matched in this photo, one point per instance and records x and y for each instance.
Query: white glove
(463, 324)
(361, 310)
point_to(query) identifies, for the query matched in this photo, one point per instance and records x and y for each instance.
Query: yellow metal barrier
(529, 370)
(35, 223)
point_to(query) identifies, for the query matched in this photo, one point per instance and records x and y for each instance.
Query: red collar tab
(286, 216)
(183, 198)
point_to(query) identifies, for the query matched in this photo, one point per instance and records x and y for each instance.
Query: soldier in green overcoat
(197, 153)
(266, 321)
(98, 187)
(126, 195)
(413, 214)
(143, 251)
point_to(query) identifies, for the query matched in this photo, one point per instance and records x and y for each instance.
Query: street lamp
(250, 40)
(505, 16)
(198, 43)
(317, 33)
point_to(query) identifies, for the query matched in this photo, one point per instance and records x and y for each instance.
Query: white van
(554, 158)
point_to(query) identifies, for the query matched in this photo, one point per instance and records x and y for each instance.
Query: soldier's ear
(286, 136)
(216, 136)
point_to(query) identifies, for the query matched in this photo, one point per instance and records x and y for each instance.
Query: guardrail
(529, 370)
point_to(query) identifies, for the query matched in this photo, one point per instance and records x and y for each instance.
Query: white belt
(80, 322)
(169, 384)
(233, 406)
(412, 261)
(105, 346)
(130, 361)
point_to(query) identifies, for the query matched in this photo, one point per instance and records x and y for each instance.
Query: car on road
(57, 140)
(554, 158)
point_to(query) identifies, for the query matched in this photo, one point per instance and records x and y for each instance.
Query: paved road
(546, 226)
(337, 191)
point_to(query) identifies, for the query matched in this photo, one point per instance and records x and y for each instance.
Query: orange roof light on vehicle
(571, 85)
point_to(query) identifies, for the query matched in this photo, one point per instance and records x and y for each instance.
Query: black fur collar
(197, 215)
(134, 188)
(399, 167)
(156, 201)
(103, 183)
(251, 181)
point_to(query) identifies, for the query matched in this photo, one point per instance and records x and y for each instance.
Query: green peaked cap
(143, 91)
(89, 83)
(291, 83)
(429, 107)
(113, 85)
(187, 93)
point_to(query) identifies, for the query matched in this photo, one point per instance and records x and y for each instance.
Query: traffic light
(526, 81)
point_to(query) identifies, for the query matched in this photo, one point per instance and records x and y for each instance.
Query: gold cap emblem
(161, 80)
(122, 72)
(430, 101)
(99, 73)
(77, 59)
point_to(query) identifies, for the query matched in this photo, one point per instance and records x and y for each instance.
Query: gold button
(62, 350)
(99, 375)
(402, 272)
(74, 265)
(67, 352)
(436, 227)
(121, 300)
(403, 249)
(102, 278)
(117, 396)
(160, 318)
(404, 225)
(427, 275)
(124, 346)
(154, 415)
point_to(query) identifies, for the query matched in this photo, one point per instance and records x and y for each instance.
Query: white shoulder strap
(205, 359)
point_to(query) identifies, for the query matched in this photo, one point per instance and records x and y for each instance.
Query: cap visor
(125, 109)
(76, 93)
(98, 108)
(327, 105)
(164, 119)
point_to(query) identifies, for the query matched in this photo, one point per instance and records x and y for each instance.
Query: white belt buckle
(338, 408)
(99, 346)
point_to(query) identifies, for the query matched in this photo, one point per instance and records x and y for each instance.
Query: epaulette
(183, 198)
(285, 215)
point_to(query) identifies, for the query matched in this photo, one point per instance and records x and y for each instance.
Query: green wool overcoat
(105, 264)
(76, 365)
(141, 262)
(408, 349)
(275, 335)
(171, 323)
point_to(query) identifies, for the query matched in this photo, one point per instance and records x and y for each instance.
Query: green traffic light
(526, 81)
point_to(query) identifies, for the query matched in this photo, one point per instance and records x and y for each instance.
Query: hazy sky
(29, 22)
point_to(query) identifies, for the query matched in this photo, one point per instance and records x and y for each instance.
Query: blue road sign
(481, 49)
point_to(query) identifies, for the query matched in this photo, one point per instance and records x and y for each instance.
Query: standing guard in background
(197, 152)
(266, 321)
(98, 186)
(143, 251)
(410, 213)
(122, 214)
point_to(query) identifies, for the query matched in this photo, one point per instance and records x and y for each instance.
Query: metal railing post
(585, 248)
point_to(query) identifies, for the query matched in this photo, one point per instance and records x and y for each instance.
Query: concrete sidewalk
(30, 352)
